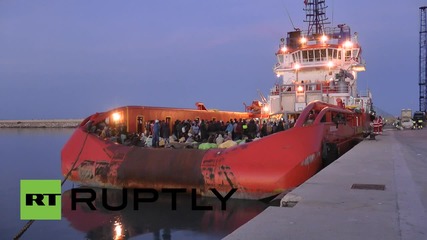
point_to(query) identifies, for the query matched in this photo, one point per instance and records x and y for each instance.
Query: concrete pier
(377, 190)
(53, 123)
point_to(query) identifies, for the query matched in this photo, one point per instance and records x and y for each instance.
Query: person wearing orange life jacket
(380, 125)
(376, 126)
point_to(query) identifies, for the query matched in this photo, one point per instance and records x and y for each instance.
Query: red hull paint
(259, 169)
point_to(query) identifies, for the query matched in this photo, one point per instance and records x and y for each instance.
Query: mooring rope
(30, 222)
(74, 163)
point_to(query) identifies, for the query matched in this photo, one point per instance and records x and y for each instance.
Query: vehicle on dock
(406, 121)
(316, 101)
(419, 120)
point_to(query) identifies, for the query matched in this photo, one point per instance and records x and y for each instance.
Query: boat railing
(289, 66)
(313, 62)
(335, 35)
(317, 112)
(313, 107)
(366, 94)
(317, 87)
(338, 119)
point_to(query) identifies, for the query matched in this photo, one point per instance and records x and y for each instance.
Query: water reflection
(118, 230)
(157, 220)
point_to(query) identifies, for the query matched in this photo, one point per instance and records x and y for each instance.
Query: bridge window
(347, 55)
(280, 58)
(355, 53)
(310, 55)
(323, 55)
(304, 56)
(296, 56)
(330, 51)
(317, 55)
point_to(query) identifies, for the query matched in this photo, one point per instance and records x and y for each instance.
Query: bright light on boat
(266, 108)
(348, 44)
(297, 66)
(303, 40)
(300, 89)
(323, 38)
(277, 75)
(284, 49)
(116, 117)
(330, 64)
(359, 68)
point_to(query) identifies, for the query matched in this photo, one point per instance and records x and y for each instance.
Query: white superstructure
(318, 64)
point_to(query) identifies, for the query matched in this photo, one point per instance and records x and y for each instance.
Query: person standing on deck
(239, 130)
(195, 130)
(165, 132)
(139, 126)
(203, 128)
(156, 133)
(264, 129)
(252, 129)
(230, 128)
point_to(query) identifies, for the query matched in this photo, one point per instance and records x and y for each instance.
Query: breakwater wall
(53, 123)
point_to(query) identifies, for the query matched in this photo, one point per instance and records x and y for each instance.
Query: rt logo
(40, 199)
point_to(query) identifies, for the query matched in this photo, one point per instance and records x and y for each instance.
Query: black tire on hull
(329, 153)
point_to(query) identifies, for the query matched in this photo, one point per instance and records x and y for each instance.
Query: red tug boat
(316, 99)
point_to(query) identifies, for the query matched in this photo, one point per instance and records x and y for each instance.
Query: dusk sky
(69, 59)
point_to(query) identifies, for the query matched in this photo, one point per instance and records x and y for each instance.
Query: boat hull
(258, 169)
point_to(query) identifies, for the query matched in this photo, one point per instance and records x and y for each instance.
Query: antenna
(315, 16)
(289, 16)
(333, 10)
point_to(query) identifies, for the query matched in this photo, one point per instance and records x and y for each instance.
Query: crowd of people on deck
(162, 133)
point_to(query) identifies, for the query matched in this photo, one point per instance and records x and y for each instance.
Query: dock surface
(377, 190)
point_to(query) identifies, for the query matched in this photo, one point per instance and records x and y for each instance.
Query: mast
(315, 16)
(423, 59)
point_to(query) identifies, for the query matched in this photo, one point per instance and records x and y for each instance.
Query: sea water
(35, 154)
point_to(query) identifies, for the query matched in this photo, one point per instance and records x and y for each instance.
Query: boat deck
(377, 190)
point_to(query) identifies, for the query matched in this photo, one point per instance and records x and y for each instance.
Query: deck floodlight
(324, 38)
(348, 44)
(303, 40)
(116, 117)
